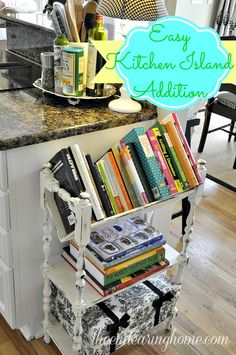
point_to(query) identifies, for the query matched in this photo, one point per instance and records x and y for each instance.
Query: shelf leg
(189, 224)
(47, 239)
(83, 213)
(79, 305)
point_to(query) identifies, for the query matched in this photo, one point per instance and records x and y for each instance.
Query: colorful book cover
(180, 152)
(104, 278)
(111, 177)
(101, 169)
(65, 172)
(140, 171)
(120, 184)
(120, 239)
(161, 160)
(126, 281)
(147, 158)
(172, 153)
(187, 148)
(89, 187)
(125, 176)
(100, 186)
(134, 176)
(167, 156)
(117, 262)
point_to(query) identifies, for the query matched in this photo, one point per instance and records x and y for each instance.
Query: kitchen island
(33, 128)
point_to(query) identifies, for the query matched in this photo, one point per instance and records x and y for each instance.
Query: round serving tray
(108, 91)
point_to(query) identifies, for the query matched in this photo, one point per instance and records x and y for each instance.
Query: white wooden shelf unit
(72, 283)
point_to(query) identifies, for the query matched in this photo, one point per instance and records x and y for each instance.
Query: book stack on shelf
(120, 255)
(141, 168)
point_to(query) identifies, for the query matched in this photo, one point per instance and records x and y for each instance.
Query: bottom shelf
(61, 339)
(65, 343)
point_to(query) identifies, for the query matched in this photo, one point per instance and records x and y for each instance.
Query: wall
(203, 14)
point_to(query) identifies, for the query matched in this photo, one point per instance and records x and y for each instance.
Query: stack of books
(141, 168)
(121, 255)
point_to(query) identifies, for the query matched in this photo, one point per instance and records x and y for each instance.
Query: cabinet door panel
(7, 305)
(5, 247)
(4, 211)
(3, 172)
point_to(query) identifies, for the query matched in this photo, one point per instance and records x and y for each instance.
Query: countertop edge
(48, 136)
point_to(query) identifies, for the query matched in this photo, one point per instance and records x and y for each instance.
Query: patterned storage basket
(112, 323)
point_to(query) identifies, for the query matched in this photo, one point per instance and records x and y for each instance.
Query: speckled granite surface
(28, 117)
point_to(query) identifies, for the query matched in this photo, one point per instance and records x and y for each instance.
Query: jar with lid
(47, 77)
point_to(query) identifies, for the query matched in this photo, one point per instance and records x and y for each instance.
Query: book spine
(166, 154)
(108, 187)
(113, 184)
(133, 280)
(117, 275)
(140, 172)
(181, 154)
(101, 187)
(79, 159)
(151, 167)
(173, 155)
(161, 159)
(125, 177)
(65, 172)
(187, 148)
(124, 193)
(134, 177)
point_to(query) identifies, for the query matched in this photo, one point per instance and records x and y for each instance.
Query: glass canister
(47, 76)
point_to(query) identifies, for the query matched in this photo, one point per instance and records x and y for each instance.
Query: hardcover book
(180, 152)
(117, 179)
(162, 162)
(105, 278)
(167, 156)
(110, 190)
(174, 158)
(134, 176)
(147, 158)
(187, 148)
(65, 172)
(140, 171)
(89, 187)
(102, 190)
(118, 262)
(125, 176)
(126, 281)
(122, 238)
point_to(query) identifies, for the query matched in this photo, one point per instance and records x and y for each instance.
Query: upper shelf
(49, 198)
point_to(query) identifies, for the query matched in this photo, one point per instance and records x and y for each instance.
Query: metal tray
(108, 91)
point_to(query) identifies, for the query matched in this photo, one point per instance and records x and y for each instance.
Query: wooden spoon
(71, 17)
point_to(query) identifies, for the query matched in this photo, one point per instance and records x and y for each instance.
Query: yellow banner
(230, 46)
(109, 49)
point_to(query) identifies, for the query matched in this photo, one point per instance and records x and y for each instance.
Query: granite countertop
(30, 117)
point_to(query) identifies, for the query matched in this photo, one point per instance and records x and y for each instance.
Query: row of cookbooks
(143, 167)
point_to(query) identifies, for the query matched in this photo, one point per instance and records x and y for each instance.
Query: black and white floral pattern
(136, 301)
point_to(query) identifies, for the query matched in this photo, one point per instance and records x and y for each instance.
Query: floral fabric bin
(121, 318)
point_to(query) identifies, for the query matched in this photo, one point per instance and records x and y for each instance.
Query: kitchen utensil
(71, 18)
(59, 15)
(90, 7)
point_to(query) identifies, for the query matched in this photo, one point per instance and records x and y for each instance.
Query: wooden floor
(207, 305)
